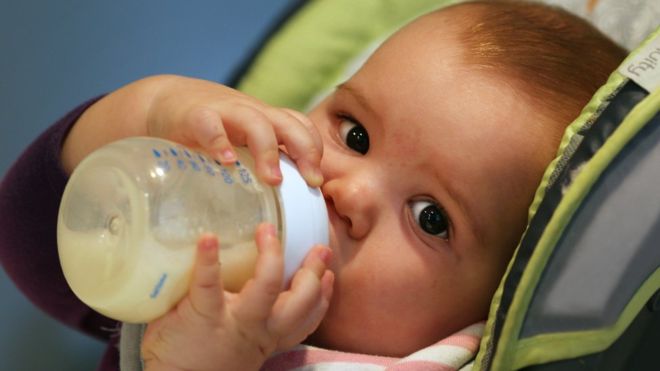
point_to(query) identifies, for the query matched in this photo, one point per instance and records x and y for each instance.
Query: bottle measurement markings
(158, 287)
(185, 160)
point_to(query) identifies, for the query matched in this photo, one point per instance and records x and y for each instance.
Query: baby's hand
(203, 115)
(211, 329)
(214, 117)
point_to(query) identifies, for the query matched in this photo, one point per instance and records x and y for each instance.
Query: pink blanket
(452, 353)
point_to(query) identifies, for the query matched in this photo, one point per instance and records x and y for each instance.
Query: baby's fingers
(248, 125)
(299, 331)
(218, 128)
(302, 141)
(206, 292)
(307, 299)
(209, 133)
(259, 294)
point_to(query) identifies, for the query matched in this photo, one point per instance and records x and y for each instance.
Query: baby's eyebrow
(474, 223)
(347, 88)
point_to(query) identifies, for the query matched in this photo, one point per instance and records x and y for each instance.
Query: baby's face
(429, 169)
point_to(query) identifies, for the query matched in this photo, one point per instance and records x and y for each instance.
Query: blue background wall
(54, 55)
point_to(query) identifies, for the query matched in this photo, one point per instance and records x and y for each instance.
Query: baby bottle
(133, 210)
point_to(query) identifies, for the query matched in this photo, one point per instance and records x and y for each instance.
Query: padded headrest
(590, 258)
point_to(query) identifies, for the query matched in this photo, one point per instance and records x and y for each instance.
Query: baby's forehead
(442, 29)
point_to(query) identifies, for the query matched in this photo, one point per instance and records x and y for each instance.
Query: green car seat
(583, 289)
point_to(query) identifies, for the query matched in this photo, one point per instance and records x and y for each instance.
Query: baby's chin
(354, 339)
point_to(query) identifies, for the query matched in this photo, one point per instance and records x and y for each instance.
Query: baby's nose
(354, 203)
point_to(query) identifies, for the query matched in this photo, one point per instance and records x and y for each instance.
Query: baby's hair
(556, 58)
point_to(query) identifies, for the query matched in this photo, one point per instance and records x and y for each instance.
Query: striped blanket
(455, 352)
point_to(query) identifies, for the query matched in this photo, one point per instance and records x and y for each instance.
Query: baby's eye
(354, 135)
(431, 218)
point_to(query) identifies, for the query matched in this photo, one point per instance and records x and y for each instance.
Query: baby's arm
(211, 329)
(200, 114)
(30, 195)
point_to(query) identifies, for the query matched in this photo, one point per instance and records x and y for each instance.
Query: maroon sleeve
(30, 194)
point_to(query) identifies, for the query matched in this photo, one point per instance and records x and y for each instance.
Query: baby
(428, 158)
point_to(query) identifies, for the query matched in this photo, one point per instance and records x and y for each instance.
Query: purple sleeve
(30, 193)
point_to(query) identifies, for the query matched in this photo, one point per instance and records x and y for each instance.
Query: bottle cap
(305, 217)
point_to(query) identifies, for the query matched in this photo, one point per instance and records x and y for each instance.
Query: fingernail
(312, 174)
(275, 171)
(270, 230)
(326, 256)
(228, 155)
(314, 177)
(208, 244)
